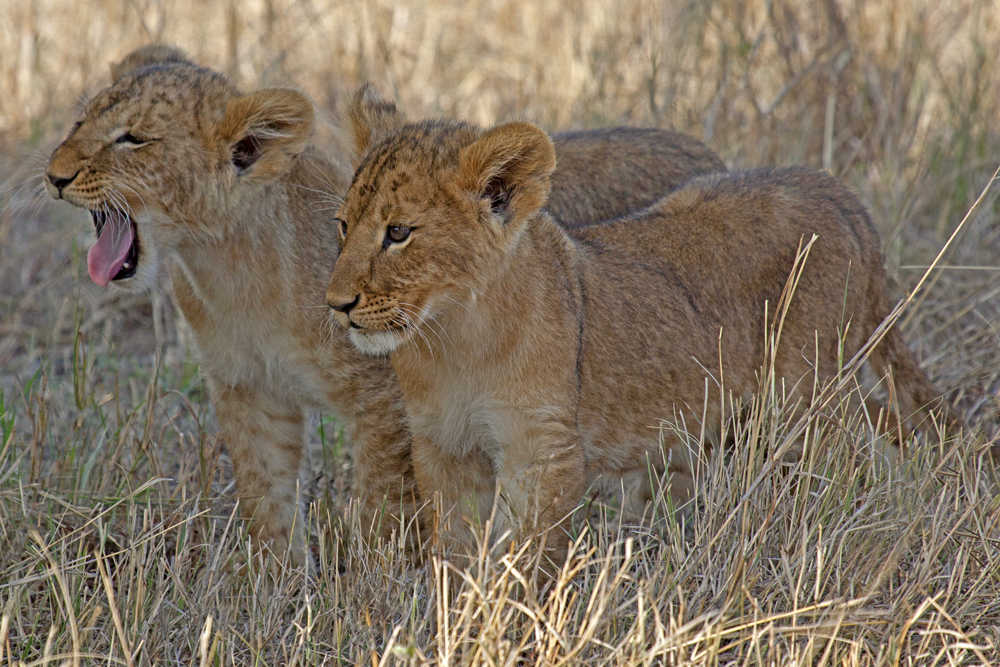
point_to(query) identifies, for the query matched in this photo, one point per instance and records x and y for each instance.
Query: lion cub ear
(367, 119)
(509, 166)
(147, 56)
(265, 130)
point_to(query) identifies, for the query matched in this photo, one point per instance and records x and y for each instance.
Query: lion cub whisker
(416, 318)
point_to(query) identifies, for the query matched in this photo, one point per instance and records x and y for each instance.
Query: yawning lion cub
(538, 358)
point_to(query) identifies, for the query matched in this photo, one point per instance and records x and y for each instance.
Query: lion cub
(182, 170)
(538, 359)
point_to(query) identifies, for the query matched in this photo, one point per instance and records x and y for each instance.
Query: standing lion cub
(180, 168)
(539, 359)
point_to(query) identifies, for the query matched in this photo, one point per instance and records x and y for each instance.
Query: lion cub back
(703, 271)
(609, 173)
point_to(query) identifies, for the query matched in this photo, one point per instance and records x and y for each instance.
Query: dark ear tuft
(246, 151)
(147, 56)
(499, 192)
(367, 119)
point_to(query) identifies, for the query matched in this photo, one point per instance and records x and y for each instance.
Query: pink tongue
(106, 257)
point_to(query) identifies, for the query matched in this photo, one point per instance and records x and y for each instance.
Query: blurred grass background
(99, 396)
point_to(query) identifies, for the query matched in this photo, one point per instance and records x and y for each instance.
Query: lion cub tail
(917, 400)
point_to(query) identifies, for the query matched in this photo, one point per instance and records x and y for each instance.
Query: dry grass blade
(115, 615)
(4, 628)
(204, 654)
(67, 600)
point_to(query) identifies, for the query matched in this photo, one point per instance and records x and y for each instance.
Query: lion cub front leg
(542, 474)
(459, 489)
(265, 440)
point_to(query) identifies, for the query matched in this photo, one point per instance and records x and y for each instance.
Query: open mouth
(115, 256)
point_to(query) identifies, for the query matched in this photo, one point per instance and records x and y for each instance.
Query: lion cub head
(171, 154)
(431, 212)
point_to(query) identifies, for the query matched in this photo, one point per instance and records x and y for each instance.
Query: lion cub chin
(536, 359)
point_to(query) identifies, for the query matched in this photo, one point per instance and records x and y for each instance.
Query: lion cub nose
(59, 182)
(343, 307)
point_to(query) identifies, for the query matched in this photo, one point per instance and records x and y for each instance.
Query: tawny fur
(540, 359)
(635, 168)
(250, 250)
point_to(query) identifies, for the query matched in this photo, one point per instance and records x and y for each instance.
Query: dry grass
(117, 532)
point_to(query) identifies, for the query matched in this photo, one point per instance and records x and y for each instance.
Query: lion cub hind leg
(265, 441)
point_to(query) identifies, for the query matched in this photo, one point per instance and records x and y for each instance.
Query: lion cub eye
(342, 227)
(396, 234)
(130, 139)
